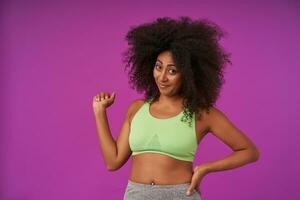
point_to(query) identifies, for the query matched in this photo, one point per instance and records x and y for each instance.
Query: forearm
(234, 160)
(107, 142)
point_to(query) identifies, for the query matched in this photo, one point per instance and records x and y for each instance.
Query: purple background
(55, 56)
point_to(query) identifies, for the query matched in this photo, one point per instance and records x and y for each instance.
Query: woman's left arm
(244, 150)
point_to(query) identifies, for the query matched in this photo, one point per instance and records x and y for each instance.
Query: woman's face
(166, 75)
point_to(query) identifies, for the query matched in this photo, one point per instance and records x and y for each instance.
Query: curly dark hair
(197, 54)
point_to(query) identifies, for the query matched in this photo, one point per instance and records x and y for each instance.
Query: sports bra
(168, 136)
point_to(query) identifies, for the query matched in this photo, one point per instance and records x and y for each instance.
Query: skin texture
(161, 169)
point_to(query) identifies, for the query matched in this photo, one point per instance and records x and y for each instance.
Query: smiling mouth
(163, 86)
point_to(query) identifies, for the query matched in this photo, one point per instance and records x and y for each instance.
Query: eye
(172, 71)
(157, 66)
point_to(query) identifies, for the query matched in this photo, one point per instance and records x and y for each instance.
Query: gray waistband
(181, 185)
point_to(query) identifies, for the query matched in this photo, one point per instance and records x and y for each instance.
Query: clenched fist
(102, 101)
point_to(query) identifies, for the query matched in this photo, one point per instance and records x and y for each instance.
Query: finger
(102, 95)
(195, 168)
(113, 94)
(191, 187)
(197, 188)
(97, 98)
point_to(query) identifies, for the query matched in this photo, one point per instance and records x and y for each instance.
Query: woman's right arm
(115, 153)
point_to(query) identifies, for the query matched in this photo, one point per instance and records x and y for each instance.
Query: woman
(178, 64)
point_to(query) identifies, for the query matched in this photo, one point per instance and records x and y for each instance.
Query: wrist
(99, 111)
(205, 167)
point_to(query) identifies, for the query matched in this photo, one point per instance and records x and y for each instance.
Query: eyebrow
(167, 65)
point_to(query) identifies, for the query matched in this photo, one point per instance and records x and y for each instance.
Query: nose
(163, 76)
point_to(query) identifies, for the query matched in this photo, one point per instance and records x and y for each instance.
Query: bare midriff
(155, 168)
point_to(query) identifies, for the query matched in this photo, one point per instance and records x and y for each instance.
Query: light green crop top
(168, 136)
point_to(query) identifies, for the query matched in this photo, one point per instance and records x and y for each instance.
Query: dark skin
(157, 168)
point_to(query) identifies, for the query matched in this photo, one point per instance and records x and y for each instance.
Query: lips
(162, 85)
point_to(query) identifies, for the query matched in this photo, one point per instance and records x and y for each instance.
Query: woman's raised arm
(115, 152)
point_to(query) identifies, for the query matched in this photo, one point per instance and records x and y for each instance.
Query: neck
(170, 100)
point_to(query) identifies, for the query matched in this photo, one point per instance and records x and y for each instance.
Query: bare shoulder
(214, 112)
(134, 106)
(215, 116)
(208, 118)
(202, 124)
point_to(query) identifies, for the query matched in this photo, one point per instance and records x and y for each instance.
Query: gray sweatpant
(140, 191)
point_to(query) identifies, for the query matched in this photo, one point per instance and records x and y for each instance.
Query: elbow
(112, 168)
(255, 155)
